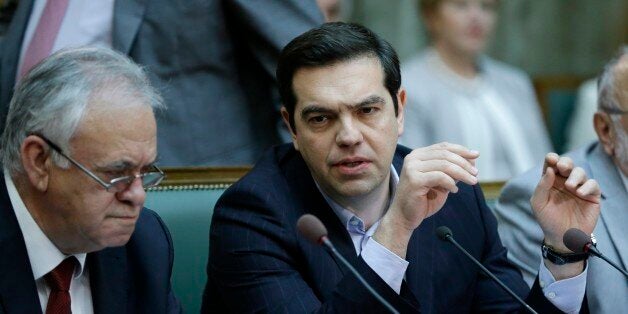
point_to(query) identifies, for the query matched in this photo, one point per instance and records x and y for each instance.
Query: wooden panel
(492, 189)
(222, 177)
(200, 178)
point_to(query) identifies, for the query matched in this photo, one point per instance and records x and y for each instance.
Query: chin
(118, 238)
(472, 47)
(353, 189)
(117, 241)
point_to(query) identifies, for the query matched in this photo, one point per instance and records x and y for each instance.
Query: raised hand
(429, 174)
(565, 198)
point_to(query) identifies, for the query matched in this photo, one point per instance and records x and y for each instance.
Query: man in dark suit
(340, 86)
(78, 150)
(212, 60)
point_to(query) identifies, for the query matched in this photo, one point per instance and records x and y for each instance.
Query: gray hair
(52, 98)
(607, 97)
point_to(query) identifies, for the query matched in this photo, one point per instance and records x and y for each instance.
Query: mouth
(475, 32)
(125, 217)
(352, 166)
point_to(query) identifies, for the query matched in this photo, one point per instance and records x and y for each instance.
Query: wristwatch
(559, 258)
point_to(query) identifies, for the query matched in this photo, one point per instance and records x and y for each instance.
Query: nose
(134, 195)
(349, 134)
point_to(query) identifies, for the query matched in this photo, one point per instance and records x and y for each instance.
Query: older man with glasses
(606, 161)
(78, 151)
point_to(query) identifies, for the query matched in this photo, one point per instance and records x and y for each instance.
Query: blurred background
(544, 38)
(560, 44)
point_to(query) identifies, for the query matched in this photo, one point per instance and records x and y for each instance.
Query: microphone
(578, 241)
(314, 230)
(445, 234)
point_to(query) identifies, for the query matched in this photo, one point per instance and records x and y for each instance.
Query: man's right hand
(429, 174)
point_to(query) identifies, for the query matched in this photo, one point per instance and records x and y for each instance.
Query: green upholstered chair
(557, 97)
(185, 201)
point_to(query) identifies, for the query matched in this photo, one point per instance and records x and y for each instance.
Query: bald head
(613, 83)
(611, 120)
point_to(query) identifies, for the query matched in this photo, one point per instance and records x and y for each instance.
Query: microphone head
(576, 240)
(311, 228)
(443, 232)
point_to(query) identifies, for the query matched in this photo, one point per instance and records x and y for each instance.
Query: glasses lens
(120, 184)
(151, 179)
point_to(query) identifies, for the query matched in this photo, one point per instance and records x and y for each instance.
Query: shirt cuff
(566, 294)
(386, 264)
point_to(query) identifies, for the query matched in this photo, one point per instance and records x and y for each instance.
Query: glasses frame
(108, 186)
(614, 111)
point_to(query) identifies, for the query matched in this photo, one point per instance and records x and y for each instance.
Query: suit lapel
(127, 18)
(419, 255)
(614, 212)
(11, 53)
(18, 293)
(305, 189)
(299, 177)
(108, 280)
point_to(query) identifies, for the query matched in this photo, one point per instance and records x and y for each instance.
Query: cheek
(94, 212)
(313, 148)
(488, 22)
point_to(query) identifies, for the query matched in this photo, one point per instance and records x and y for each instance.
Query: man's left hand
(565, 198)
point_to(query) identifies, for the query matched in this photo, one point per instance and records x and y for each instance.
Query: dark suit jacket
(212, 60)
(134, 278)
(259, 262)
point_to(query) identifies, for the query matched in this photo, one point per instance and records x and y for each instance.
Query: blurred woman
(457, 94)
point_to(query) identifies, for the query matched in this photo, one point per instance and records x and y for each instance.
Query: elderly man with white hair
(606, 161)
(78, 149)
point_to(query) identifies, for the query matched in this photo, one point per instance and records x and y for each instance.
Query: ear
(37, 162)
(286, 120)
(401, 105)
(605, 133)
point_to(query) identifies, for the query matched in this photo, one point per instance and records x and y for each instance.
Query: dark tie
(59, 282)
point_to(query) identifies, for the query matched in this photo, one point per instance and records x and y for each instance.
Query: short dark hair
(331, 43)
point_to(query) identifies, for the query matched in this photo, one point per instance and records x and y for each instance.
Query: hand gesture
(563, 199)
(429, 174)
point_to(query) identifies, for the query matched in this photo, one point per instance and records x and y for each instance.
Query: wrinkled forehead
(125, 128)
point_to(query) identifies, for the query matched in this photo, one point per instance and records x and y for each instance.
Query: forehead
(114, 132)
(343, 82)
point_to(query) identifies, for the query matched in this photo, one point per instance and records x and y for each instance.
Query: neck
(370, 207)
(460, 63)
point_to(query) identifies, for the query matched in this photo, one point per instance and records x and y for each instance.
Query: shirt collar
(352, 222)
(43, 255)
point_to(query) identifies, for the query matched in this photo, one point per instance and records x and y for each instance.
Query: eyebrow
(123, 165)
(368, 101)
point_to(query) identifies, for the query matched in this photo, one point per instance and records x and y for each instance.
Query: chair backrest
(557, 97)
(185, 201)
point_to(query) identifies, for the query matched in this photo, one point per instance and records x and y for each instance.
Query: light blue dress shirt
(566, 295)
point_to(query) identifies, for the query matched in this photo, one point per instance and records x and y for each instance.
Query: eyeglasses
(614, 111)
(149, 179)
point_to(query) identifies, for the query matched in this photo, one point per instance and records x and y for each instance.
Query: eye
(115, 174)
(148, 168)
(368, 110)
(318, 119)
